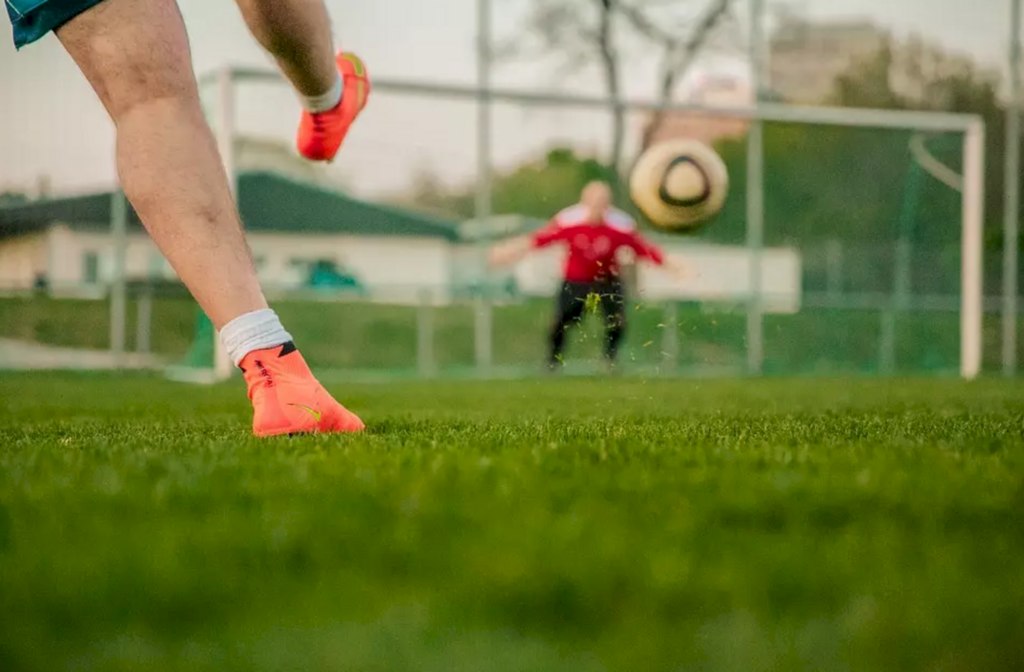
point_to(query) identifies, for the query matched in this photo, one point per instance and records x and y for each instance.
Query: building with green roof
(302, 236)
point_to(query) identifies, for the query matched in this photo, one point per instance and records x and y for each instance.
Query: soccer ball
(679, 184)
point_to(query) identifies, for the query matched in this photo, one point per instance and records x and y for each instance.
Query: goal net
(851, 241)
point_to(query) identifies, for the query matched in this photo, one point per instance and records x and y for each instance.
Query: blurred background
(376, 262)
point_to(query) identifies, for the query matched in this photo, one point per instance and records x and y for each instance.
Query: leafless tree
(597, 32)
(679, 48)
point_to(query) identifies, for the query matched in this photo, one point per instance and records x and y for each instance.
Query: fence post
(755, 192)
(425, 334)
(118, 290)
(887, 340)
(144, 320)
(896, 306)
(834, 268)
(670, 336)
(484, 334)
(483, 206)
(1011, 208)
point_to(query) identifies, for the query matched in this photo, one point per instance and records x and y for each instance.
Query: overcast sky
(50, 119)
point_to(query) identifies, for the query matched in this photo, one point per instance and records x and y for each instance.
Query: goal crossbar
(936, 122)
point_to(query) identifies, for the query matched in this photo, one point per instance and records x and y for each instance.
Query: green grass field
(580, 524)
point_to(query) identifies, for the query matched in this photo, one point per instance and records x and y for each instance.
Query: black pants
(572, 304)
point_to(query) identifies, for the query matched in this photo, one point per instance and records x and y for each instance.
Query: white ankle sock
(325, 101)
(258, 330)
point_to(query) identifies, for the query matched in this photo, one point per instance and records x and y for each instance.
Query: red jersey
(594, 246)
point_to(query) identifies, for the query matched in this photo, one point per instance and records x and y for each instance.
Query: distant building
(806, 57)
(713, 91)
(303, 237)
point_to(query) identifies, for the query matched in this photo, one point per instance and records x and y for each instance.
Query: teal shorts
(34, 18)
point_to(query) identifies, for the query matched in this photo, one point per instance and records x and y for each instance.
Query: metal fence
(881, 284)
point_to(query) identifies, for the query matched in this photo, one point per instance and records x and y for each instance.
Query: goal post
(969, 127)
(972, 292)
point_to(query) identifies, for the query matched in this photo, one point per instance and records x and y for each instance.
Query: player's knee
(163, 79)
(132, 53)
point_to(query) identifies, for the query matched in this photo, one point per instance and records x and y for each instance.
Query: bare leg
(297, 33)
(136, 56)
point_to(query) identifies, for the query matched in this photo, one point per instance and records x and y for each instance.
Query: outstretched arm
(645, 250)
(676, 269)
(510, 252)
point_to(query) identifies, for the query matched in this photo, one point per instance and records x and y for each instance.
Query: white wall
(719, 273)
(21, 259)
(69, 247)
(724, 274)
(394, 268)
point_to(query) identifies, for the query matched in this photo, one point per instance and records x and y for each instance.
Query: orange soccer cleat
(287, 399)
(321, 133)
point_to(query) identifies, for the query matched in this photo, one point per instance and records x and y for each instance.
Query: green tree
(9, 198)
(920, 76)
(540, 188)
(608, 35)
(850, 184)
(537, 188)
(915, 75)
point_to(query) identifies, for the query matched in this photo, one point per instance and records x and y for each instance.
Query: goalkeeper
(594, 232)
